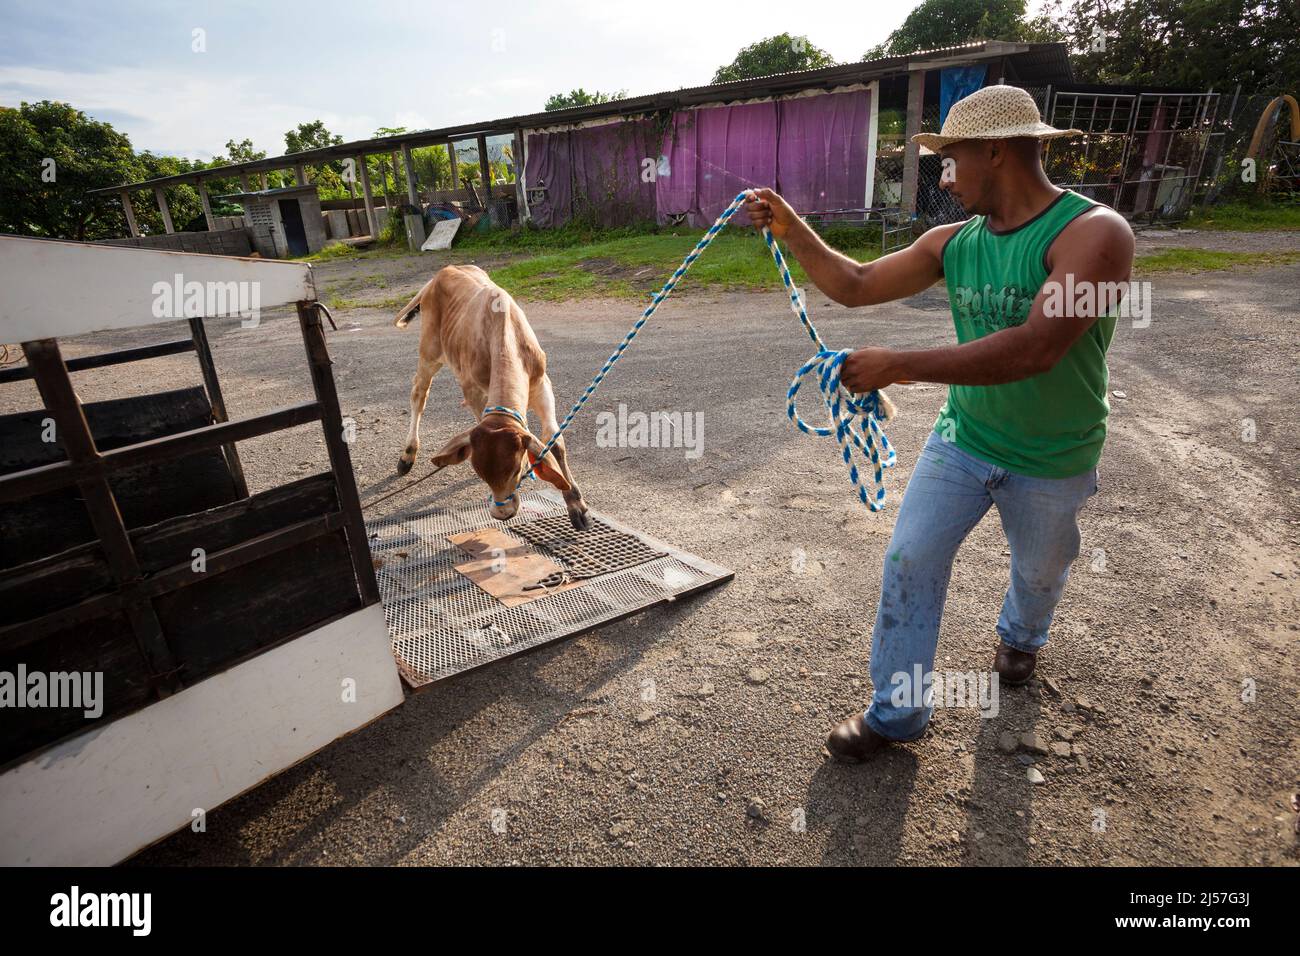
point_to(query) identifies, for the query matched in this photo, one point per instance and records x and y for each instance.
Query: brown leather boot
(1013, 667)
(853, 741)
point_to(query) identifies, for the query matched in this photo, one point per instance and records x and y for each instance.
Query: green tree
(243, 151)
(387, 174)
(328, 177)
(779, 54)
(182, 199)
(40, 198)
(942, 23)
(432, 167)
(237, 152)
(1198, 44)
(580, 97)
(467, 165)
(311, 135)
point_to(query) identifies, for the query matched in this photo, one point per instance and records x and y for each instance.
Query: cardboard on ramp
(510, 571)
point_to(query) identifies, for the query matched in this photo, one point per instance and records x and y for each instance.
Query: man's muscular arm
(848, 282)
(1096, 248)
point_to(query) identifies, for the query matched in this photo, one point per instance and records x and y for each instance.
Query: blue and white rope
(841, 405)
(501, 409)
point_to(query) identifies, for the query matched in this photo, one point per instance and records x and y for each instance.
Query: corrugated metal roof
(1042, 64)
(268, 193)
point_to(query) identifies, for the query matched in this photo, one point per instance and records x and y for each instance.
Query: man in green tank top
(1033, 278)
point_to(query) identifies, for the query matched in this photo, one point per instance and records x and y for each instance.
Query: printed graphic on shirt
(989, 309)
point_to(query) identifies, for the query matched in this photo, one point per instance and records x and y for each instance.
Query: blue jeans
(948, 494)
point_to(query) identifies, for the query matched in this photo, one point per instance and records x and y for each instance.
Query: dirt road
(1168, 701)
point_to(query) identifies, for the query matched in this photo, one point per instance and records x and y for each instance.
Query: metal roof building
(901, 82)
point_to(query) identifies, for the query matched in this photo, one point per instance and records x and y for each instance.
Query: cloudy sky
(360, 65)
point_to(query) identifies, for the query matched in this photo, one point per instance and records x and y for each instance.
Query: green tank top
(1051, 425)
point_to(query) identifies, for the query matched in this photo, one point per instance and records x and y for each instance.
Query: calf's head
(500, 452)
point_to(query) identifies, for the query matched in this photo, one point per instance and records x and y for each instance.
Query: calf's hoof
(403, 466)
(581, 520)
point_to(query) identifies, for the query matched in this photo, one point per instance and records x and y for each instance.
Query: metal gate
(1141, 153)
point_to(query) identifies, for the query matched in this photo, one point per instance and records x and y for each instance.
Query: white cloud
(181, 114)
(402, 64)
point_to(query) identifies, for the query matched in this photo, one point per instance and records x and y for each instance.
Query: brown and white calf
(473, 326)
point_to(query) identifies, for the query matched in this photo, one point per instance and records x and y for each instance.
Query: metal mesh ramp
(441, 623)
(600, 550)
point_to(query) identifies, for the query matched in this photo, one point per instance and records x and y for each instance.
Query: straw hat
(995, 112)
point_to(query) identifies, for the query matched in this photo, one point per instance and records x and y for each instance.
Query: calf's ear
(543, 469)
(454, 452)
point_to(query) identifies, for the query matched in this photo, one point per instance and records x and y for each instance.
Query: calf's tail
(409, 311)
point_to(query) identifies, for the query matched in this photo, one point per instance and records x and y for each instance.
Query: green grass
(636, 264)
(1247, 216)
(530, 237)
(341, 250)
(1206, 260)
(335, 250)
(577, 262)
(580, 261)
(392, 303)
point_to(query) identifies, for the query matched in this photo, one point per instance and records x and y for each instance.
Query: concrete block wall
(348, 223)
(313, 223)
(343, 222)
(224, 242)
(336, 222)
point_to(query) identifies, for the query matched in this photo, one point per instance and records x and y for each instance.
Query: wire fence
(1149, 156)
(1275, 166)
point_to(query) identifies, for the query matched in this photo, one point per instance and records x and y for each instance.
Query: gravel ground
(1185, 593)
(1152, 240)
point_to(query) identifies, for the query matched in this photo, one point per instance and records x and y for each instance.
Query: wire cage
(1146, 155)
(1140, 153)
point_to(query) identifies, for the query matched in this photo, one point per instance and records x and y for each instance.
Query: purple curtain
(594, 172)
(822, 154)
(812, 149)
(675, 192)
(612, 172)
(548, 164)
(736, 147)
